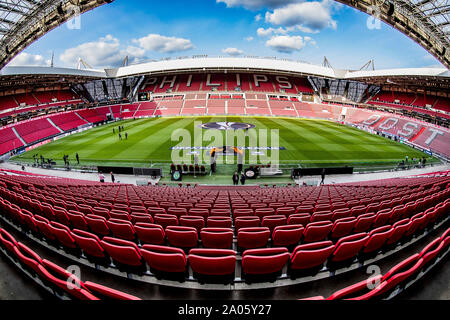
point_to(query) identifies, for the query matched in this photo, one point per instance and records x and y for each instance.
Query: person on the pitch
(120, 136)
(235, 179)
(323, 177)
(243, 178)
(78, 158)
(126, 135)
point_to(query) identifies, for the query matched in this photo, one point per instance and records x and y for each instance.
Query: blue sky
(294, 29)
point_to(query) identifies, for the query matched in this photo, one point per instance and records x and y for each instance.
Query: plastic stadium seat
(108, 293)
(44, 228)
(273, 221)
(219, 222)
(431, 250)
(377, 239)
(122, 251)
(102, 212)
(305, 209)
(358, 210)
(343, 227)
(237, 213)
(264, 212)
(85, 209)
(299, 218)
(287, 235)
(212, 262)
(417, 221)
(264, 261)
(141, 217)
(340, 213)
(164, 259)
(98, 225)
(150, 233)
(77, 220)
(196, 222)
(382, 218)
(166, 220)
(395, 276)
(122, 229)
(154, 211)
(177, 211)
(348, 247)
(285, 211)
(89, 243)
(182, 237)
(59, 278)
(311, 255)
(317, 231)
(321, 216)
(251, 238)
(396, 214)
(27, 257)
(62, 216)
(63, 234)
(399, 230)
(7, 241)
(216, 212)
(246, 222)
(364, 222)
(217, 238)
(27, 219)
(356, 289)
(47, 211)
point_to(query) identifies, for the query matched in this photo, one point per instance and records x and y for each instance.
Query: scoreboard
(144, 96)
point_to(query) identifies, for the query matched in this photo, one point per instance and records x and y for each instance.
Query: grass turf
(311, 143)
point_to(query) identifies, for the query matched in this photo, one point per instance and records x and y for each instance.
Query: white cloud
(270, 31)
(249, 39)
(159, 43)
(258, 17)
(106, 52)
(307, 16)
(29, 60)
(256, 4)
(233, 51)
(288, 44)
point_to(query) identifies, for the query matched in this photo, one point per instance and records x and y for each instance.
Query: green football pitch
(309, 143)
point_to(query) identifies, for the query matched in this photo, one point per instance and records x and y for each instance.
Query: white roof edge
(424, 72)
(12, 71)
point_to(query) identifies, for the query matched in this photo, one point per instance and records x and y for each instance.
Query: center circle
(227, 126)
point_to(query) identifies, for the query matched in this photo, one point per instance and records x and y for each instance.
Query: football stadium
(232, 177)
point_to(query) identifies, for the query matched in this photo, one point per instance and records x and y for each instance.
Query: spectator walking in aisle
(102, 177)
(113, 179)
(323, 177)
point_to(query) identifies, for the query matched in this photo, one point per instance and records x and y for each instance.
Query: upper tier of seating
(403, 100)
(228, 82)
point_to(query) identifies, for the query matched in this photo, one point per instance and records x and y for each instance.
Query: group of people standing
(236, 178)
(66, 159)
(121, 129)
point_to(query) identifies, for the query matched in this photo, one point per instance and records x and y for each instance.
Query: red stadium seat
(219, 222)
(164, 259)
(321, 216)
(150, 233)
(348, 247)
(246, 222)
(122, 251)
(299, 218)
(98, 225)
(182, 237)
(63, 234)
(166, 220)
(251, 238)
(108, 293)
(212, 262)
(122, 229)
(377, 239)
(287, 235)
(364, 222)
(217, 238)
(264, 261)
(272, 222)
(89, 243)
(196, 222)
(317, 231)
(311, 255)
(343, 227)
(77, 220)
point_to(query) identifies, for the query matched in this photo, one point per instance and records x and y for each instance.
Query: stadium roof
(24, 21)
(425, 21)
